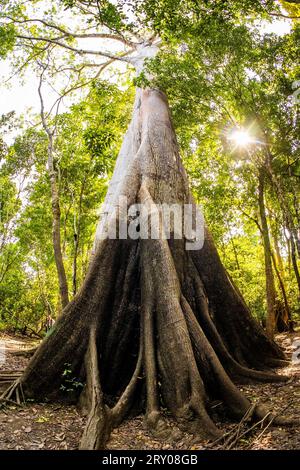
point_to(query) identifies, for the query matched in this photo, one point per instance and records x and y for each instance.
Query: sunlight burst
(240, 137)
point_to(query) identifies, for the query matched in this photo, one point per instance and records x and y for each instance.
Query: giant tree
(154, 325)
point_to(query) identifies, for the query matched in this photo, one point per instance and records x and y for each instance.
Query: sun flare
(240, 137)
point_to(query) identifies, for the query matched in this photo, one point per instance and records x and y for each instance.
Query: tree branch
(252, 218)
(114, 37)
(281, 15)
(121, 57)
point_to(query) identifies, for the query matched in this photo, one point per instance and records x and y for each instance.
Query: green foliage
(7, 39)
(70, 383)
(108, 13)
(178, 19)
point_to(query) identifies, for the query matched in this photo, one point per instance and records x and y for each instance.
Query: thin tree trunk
(279, 261)
(77, 227)
(233, 248)
(61, 273)
(55, 203)
(288, 321)
(270, 284)
(64, 230)
(74, 276)
(284, 320)
(294, 260)
(289, 255)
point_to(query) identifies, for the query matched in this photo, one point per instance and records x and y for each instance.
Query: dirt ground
(55, 426)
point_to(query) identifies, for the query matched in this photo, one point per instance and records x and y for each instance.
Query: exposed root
(261, 412)
(180, 355)
(153, 418)
(182, 387)
(125, 401)
(25, 352)
(14, 393)
(231, 365)
(157, 426)
(275, 362)
(101, 419)
(97, 428)
(11, 376)
(4, 402)
(231, 316)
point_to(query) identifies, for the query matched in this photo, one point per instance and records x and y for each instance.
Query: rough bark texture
(154, 326)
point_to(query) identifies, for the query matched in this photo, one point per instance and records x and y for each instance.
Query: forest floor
(57, 426)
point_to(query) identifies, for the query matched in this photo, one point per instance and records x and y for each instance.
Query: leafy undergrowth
(57, 426)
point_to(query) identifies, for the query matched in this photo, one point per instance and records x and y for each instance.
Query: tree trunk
(154, 325)
(294, 260)
(284, 321)
(77, 233)
(270, 284)
(62, 278)
(278, 258)
(55, 203)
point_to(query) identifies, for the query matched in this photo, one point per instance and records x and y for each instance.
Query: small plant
(70, 383)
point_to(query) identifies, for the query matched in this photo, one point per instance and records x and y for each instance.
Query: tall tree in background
(154, 325)
(55, 197)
